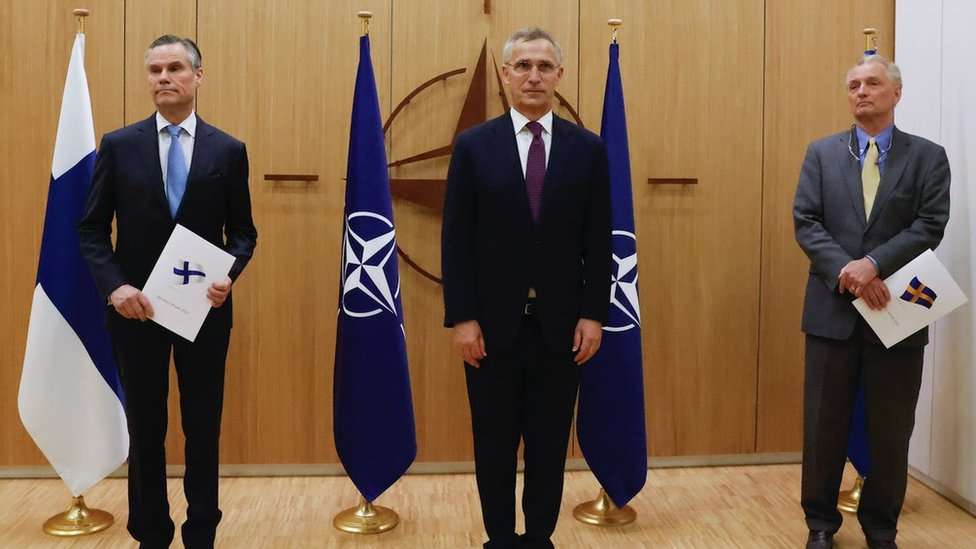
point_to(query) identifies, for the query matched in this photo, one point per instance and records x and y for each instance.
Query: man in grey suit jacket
(869, 200)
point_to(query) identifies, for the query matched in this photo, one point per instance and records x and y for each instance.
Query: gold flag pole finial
(81, 14)
(365, 16)
(366, 518)
(603, 512)
(870, 39)
(614, 25)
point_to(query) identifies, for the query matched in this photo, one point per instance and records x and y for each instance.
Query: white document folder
(177, 286)
(921, 292)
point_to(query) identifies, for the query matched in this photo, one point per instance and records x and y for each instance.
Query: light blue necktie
(175, 170)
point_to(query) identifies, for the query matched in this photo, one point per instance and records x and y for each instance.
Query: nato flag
(373, 411)
(610, 421)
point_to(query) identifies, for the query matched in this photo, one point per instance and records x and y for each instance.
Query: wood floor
(708, 508)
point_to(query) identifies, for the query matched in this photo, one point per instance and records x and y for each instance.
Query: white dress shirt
(187, 135)
(523, 136)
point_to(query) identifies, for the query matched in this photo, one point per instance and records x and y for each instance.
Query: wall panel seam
(125, 72)
(762, 219)
(935, 329)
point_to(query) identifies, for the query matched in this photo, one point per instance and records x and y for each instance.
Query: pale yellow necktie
(870, 176)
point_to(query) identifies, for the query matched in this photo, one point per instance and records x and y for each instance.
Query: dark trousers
(892, 378)
(142, 350)
(528, 394)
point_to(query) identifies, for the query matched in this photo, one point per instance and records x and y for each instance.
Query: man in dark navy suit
(526, 267)
(169, 168)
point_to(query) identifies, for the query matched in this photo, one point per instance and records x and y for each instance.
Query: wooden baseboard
(425, 468)
(943, 491)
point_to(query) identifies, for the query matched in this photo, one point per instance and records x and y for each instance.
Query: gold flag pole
(78, 519)
(81, 14)
(849, 500)
(366, 518)
(365, 16)
(614, 25)
(870, 39)
(602, 511)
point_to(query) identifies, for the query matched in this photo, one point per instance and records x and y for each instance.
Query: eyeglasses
(523, 67)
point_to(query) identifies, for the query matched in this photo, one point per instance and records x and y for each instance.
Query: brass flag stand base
(603, 512)
(848, 500)
(366, 519)
(78, 520)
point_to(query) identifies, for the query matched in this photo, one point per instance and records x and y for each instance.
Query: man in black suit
(170, 168)
(869, 200)
(526, 267)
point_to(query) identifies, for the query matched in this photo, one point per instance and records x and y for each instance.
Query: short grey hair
(894, 73)
(529, 34)
(192, 51)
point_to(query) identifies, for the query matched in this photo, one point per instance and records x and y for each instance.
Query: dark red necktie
(535, 169)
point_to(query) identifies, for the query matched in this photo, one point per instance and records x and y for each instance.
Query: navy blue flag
(610, 420)
(373, 411)
(858, 450)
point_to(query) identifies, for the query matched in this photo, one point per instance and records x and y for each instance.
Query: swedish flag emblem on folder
(919, 293)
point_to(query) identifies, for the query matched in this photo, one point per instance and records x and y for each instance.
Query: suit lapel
(558, 160)
(506, 144)
(894, 167)
(851, 167)
(149, 149)
(200, 160)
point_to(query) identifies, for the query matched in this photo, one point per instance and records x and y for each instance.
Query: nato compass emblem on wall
(370, 284)
(429, 192)
(186, 272)
(624, 301)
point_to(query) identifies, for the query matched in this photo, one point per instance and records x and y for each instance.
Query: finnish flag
(70, 397)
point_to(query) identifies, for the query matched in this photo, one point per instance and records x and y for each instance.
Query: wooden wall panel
(809, 47)
(427, 123)
(280, 77)
(35, 45)
(721, 275)
(692, 76)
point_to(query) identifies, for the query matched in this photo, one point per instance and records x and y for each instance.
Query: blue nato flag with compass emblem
(610, 419)
(373, 410)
